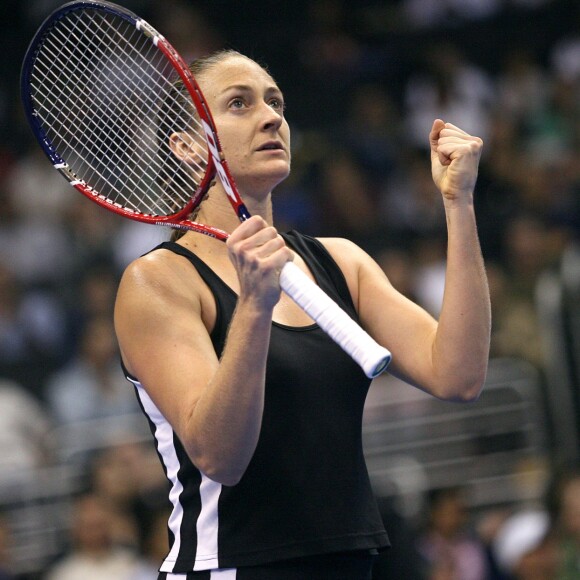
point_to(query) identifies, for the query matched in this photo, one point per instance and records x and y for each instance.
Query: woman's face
(248, 109)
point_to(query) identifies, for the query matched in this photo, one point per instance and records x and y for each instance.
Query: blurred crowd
(363, 84)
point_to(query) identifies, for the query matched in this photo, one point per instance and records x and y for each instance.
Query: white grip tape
(371, 356)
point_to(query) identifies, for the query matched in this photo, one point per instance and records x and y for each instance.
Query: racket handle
(371, 356)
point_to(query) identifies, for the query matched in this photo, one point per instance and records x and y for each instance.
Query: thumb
(438, 125)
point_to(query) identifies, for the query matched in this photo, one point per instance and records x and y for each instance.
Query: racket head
(110, 102)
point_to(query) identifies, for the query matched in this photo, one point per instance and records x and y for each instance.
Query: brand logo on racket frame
(215, 153)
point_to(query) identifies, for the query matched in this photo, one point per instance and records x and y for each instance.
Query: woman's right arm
(214, 406)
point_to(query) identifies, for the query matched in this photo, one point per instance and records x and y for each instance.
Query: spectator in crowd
(452, 551)
(24, 434)
(93, 554)
(515, 330)
(89, 399)
(154, 545)
(522, 547)
(90, 295)
(33, 234)
(128, 478)
(542, 542)
(90, 386)
(32, 332)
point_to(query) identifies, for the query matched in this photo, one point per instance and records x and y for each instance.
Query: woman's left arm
(461, 343)
(447, 358)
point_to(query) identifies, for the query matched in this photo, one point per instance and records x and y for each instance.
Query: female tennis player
(256, 413)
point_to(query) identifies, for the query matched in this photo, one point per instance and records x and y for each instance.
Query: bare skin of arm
(447, 358)
(214, 406)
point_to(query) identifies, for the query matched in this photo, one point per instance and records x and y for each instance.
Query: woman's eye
(236, 103)
(277, 104)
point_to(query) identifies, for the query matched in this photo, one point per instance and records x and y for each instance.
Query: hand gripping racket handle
(371, 356)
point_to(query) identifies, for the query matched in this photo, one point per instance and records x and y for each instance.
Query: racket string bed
(133, 183)
(104, 82)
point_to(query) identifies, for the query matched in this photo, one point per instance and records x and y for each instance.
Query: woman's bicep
(403, 327)
(393, 320)
(164, 342)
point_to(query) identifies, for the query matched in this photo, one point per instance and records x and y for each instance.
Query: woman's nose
(271, 118)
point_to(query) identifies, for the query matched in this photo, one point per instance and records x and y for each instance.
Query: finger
(453, 127)
(438, 125)
(248, 228)
(434, 138)
(270, 246)
(452, 132)
(260, 245)
(453, 147)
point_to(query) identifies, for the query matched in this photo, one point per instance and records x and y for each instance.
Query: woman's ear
(188, 149)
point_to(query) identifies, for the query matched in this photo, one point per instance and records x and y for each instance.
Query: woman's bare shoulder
(159, 286)
(161, 272)
(158, 303)
(346, 253)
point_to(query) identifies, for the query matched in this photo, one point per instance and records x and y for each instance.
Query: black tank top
(306, 490)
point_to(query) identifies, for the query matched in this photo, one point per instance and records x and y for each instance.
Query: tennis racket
(107, 97)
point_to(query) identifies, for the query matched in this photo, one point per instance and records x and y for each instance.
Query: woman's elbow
(466, 390)
(225, 478)
(220, 472)
(470, 393)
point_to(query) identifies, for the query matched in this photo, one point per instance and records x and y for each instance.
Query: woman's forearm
(225, 424)
(461, 345)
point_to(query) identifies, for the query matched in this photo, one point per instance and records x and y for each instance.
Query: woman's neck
(217, 211)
